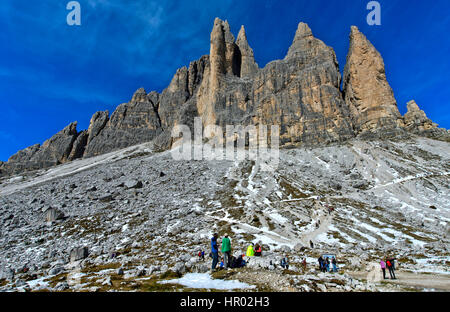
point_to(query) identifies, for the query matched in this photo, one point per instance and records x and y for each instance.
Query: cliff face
(54, 151)
(367, 93)
(300, 93)
(131, 123)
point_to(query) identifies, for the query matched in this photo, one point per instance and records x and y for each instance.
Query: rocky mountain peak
(306, 46)
(248, 64)
(300, 93)
(412, 107)
(416, 120)
(139, 96)
(366, 89)
(303, 31)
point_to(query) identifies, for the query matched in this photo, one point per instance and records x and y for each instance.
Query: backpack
(388, 263)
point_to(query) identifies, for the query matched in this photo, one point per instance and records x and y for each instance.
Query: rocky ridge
(300, 93)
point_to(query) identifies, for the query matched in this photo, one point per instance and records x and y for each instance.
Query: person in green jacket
(226, 251)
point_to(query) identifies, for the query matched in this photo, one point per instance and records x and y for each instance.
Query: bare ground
(421, 281)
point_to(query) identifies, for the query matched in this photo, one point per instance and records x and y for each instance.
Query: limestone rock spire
(366, 89)
(302, 39)
(248, 64)
(224, 56)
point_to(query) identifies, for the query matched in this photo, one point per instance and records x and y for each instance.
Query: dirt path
(437, 282)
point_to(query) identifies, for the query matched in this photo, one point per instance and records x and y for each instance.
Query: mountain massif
(301, 93)
(356, 180)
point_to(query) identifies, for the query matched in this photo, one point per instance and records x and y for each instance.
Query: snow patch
(204, 280)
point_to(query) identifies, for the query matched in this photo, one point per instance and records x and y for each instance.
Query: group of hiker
(325, 265)
(254, 251)
(227, 260)
(388, 263)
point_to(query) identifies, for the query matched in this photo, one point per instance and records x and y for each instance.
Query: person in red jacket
(390, 267)
(258, 250)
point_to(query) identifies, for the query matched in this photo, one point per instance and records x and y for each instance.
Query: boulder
(78, 253)
(53, 214)
(133, 184)
(61, 286)
(7, 274)
(179, 268)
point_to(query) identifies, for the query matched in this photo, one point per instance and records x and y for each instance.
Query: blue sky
(52, 74)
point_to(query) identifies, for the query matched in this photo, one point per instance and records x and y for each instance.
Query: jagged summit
(303, 41)
(303, 32)
(300, 93)
(416, 120)
(248, 64)
(366, 90)
(139, 96)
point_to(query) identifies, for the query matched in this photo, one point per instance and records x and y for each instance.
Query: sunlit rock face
(300, 93)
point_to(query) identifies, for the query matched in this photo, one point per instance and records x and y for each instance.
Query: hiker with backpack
(334, 262)
(390, 267)
(285, 263)
(327, 264)
(226, 251)
(214, 252)
(321, 264)
(393, 261)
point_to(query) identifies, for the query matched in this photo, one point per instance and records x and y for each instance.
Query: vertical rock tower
(368, 95)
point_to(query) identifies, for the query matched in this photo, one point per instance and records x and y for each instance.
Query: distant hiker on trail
(391, 269)
(383, 268)
(250, 251)
(258, 251)
(221, 263)
(304, 264)
(214, 252)
(334, 262)
(226, 251)
(327, 264)
(201, 255)
(285, 263)
(321, 264)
